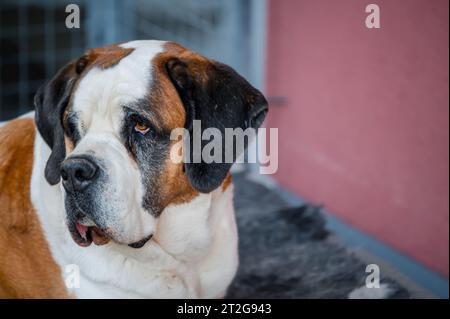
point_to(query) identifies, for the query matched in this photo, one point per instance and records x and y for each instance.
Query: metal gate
(34, 41)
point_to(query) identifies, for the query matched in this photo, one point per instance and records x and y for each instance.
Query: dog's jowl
(90, 182)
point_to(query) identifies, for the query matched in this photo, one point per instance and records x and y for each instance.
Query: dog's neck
(184, 237)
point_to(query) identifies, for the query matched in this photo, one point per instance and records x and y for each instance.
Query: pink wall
(365, 129)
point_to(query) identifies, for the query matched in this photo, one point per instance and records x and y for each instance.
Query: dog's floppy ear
(220, 98)
(50, 101)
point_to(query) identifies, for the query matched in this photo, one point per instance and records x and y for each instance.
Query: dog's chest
(166, 267)
(193, 254)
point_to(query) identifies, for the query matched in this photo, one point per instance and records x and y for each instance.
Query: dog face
(107, 118)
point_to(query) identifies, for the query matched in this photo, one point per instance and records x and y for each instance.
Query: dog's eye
(141, 128)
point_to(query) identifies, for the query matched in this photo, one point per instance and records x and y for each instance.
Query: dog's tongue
(82, 230)
(93, 233)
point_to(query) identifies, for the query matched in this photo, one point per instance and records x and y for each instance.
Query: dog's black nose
(78, 173)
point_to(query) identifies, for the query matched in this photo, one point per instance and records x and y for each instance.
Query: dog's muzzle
(80, 175)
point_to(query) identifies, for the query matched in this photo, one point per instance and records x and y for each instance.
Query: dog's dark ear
(220, 98)
(50, 102)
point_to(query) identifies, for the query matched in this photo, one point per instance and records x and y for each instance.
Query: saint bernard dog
(88, 188)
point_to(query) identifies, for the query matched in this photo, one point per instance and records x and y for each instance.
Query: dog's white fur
(193, 253)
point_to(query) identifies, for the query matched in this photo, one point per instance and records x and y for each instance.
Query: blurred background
(35, 41)
(362, 113)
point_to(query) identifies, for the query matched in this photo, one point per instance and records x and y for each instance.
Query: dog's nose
(78, 173)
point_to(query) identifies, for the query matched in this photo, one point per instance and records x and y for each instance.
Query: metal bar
(49, 40)
(257, 47)
(23, 57)
(183, 13)
(14, 88)
(36, 56)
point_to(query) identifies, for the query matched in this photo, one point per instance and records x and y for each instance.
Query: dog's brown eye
(141, 128)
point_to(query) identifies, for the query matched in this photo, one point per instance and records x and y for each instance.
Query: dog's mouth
(84, 231)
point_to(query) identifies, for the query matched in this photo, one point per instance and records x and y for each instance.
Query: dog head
(107, 118)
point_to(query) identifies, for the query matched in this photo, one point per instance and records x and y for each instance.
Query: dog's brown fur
(27, 268)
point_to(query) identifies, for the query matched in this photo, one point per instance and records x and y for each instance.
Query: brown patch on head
(27, 268)
(198, 65)
(170, 113)
(227, 182)
(163, 97)
(69, 144)
(176, 188)
(104, 57)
